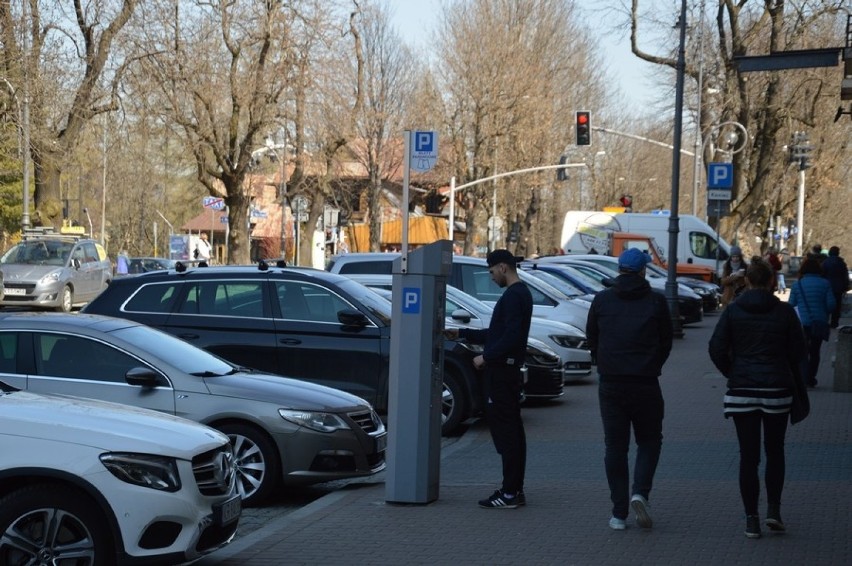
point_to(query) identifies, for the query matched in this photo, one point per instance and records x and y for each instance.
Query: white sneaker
(642, 509)
(617, 524)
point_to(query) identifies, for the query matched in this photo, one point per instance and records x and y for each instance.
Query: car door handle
(290, 341)
(188, 336)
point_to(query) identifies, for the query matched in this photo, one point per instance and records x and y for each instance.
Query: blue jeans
(641, 406)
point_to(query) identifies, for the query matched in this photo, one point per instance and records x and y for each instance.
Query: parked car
(300, 322)
(690, 305)
(470, 274)
(281, 429)
(90, 482)
(465, 311)
(146, 264)
(710, 293)
(53, 271)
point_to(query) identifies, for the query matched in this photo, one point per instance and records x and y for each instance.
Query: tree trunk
(239, 243)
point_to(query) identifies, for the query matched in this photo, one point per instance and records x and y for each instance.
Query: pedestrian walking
(203, 250)
(629, 331)
(505, 342)
(733, 275)
(834, 269)
(121, 264)
(814, 300)
(758, 346)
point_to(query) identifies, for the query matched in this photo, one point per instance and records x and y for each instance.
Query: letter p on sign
(720, 175)
(411, 300)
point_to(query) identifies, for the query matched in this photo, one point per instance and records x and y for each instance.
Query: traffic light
(627, 202)
(800, 150)
(583, 127)
(562, 173)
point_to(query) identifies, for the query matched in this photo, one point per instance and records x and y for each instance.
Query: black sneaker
(499, 501)
(521, 499)
(773, 519)
(752, 529)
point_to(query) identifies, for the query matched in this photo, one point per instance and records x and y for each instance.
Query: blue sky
(415, 20)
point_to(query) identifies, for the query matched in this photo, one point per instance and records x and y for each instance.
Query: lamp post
(23, 147)
(699, 144)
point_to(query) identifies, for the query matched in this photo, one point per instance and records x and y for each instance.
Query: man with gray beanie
(630, 335)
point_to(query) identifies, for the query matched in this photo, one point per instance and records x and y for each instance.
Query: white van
(697, 241)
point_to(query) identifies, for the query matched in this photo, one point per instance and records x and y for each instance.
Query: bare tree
(769, 105)
(508, 69)
(390, 75)
(221, 71)
(68, 64)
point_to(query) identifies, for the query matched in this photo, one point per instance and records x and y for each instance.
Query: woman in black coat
(758, 345)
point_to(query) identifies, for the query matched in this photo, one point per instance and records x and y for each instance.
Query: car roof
(59, 319)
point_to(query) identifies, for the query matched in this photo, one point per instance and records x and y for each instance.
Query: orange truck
(594, 239)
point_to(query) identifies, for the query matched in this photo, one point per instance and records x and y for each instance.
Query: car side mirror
(352, 317)
(461, 315)
(75, 263)
(142, 377)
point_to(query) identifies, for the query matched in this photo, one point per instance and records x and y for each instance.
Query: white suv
(99, 483)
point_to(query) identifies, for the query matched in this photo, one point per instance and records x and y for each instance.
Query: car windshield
(374, 303)
(561, 284)
(469, 302)
(38, 252)
(175, 351)
(589, 282)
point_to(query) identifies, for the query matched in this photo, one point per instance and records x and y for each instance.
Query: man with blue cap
(629, 329)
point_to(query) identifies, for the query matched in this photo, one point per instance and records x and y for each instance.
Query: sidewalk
(697, 511)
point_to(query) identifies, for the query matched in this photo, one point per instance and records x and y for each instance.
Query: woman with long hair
(814, 300)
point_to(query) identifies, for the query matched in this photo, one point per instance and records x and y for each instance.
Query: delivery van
(697, 242)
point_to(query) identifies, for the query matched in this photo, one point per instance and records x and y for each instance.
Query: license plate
(12, 291)
(381, 443)
(229, 511)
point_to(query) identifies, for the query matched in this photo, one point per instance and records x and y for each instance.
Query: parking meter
(416, 374)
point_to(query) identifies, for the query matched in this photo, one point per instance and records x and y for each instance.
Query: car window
(157, 297)
(305, 301)
(76, 357)
(224, 298)
(90, 253)
(174, 351)
(8, 350)
(373, 267)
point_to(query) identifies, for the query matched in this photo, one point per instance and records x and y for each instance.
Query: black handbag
(818, 328)
(800, 408)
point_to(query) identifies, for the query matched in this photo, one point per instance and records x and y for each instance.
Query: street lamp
(23, 147)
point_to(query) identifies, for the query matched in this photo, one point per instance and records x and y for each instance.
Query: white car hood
(103, 425)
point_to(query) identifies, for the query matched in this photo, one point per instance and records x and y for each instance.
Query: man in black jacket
(505, 349)
(630, 335)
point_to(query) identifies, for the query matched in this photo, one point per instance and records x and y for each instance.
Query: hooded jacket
(629, 330)
(758, 342)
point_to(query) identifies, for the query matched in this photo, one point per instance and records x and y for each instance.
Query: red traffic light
(583, 128)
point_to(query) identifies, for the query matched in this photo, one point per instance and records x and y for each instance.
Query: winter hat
(633, 260)
(735, 250)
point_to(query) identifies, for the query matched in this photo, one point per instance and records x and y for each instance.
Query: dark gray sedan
(281, 429)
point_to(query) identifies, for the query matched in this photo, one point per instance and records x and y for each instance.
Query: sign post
(720, 184)
(421, 154)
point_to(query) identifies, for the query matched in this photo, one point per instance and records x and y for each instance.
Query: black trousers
(503, 413)
(749, 435)
(639, 406)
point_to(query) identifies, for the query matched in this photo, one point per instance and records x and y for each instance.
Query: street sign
(214, 203)
(719, 194)
(424, 150)
(720, 175)
(257, 213)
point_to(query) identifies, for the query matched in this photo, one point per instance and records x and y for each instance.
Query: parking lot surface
(698, 517)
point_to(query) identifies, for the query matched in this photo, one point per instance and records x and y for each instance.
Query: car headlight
(146, 470)
(540, 353)
(314, 420)
(701, 291)
(577, 342)
(49, 277)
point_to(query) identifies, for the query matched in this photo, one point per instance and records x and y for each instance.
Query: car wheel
(258, 466)
(46, 524)
(454, 404)
(66, 300)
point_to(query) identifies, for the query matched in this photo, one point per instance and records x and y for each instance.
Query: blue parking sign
(720, 175)
(411, 300)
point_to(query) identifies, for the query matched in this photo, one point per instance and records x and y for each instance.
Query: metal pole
(452, 207)
(800, 213)
(406, 175)
(699, 146)
(671, 280)
(104, 185)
